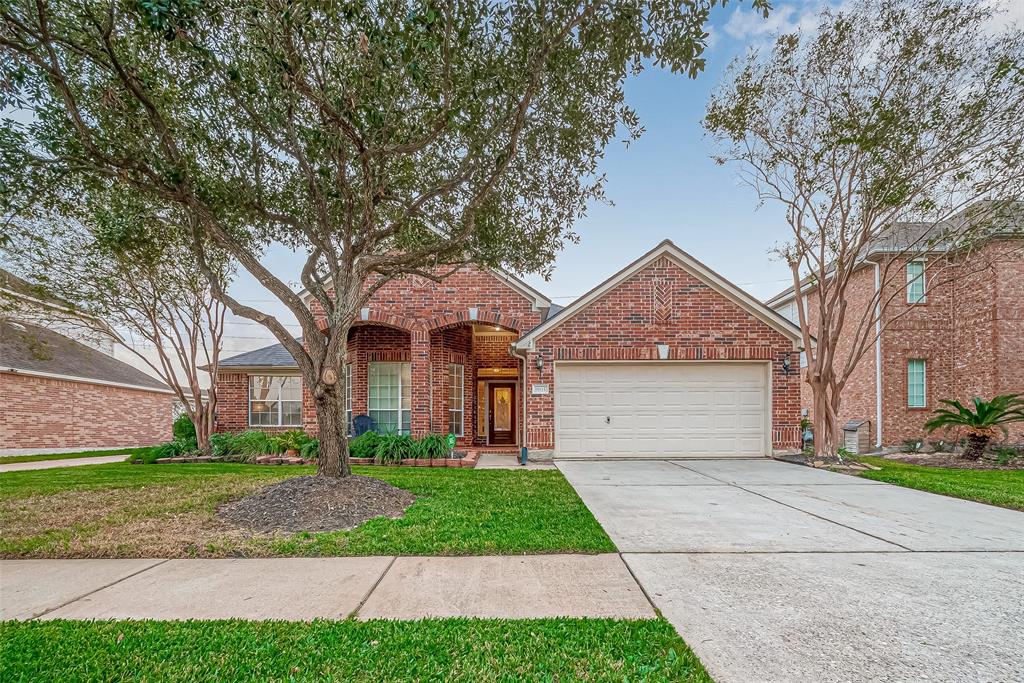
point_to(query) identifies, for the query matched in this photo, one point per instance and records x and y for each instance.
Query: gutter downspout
(878, 357)
(522, 391)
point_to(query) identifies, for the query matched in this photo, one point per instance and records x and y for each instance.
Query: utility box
(857, 436)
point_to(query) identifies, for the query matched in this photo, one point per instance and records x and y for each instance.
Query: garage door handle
(608, 420)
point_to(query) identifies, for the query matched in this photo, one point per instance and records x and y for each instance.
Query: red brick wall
(418, 303)
(970, 332)
(664, 304)
(428, 323)
(492, 351)
(39, 412)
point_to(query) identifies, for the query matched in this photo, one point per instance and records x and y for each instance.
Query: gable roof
(273, 356)
(688, 263)
(35, 350)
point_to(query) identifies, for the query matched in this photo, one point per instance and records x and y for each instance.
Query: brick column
(420, 361)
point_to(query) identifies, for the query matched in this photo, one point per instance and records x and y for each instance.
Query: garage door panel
(661, 409)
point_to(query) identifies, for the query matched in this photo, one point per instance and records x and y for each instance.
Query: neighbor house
(664, 358)
(953, 328)
(59, 393)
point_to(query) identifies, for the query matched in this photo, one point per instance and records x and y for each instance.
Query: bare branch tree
(893, 131)
(142, 291)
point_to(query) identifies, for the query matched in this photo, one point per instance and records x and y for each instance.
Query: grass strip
(428, 650)
(1004, 488)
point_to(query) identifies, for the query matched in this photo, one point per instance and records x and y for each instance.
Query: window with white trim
(275, 401)
(348, 398)
(916, 383)
(389, 388)
(456, 398)
(915, 282)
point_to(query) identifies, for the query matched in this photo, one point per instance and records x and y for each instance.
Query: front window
(456, 398)
(390, 397)
(915, 282)
(275, 401)
(916, 384)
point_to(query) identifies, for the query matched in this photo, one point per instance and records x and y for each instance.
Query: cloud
(748, 26)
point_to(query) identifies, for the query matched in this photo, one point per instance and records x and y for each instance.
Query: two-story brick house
(952, 328)
(665, 358)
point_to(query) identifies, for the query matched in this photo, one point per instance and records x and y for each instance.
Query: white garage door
(661, 409)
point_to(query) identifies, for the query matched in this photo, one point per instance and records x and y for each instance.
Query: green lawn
(77, 454)
(430, 650)
(124, 510)
(1004, 488)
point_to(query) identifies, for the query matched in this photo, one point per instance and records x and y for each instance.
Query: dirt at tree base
(317, 504)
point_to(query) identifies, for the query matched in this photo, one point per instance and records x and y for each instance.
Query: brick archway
(487, 317)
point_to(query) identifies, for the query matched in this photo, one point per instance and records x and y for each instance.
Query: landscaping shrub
(1004, 454)
(292, 440)
(174, 449)
(183, 429)
(393, 448)
(364, 445)
(221, 444)
(310, 450)
(941, 446)
(432, 446)
(911, 445)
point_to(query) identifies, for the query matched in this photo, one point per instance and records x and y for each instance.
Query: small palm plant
(981, 421)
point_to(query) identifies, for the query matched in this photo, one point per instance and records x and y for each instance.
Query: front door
(501, 418)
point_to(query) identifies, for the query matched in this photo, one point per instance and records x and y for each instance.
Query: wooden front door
(501, 414)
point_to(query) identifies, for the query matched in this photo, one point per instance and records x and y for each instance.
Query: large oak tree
(383, 139)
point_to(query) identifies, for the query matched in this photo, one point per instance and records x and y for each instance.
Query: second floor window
(915, 282)
(275, 401)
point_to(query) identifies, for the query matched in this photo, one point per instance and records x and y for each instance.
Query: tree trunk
(202, 425)
(825, 421)
(332, 460)
(975, 446)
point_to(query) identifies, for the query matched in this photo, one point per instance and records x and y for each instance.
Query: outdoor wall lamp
(539, 362)
(787, 363)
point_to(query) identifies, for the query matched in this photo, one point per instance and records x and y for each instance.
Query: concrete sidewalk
(66, 462)
(301, 589)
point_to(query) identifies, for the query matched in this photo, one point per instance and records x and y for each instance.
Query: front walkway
(301, 589)
(66, 462)
(777, 572)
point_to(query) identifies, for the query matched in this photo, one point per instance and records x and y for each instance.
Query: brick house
(664, 358)
(953, 329)
(60, 393)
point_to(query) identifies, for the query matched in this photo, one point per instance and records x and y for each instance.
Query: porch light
(539, 362)
(787, 363)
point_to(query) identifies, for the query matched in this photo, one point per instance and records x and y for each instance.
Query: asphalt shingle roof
(274, 356)
(31, 348)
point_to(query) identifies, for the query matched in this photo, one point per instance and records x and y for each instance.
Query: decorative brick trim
(388, 356)
(650, 352)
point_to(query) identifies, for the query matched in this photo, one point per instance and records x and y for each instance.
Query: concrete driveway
(777, 572)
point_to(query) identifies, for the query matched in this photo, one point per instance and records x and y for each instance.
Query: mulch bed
(954, 461)
(317, 504)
